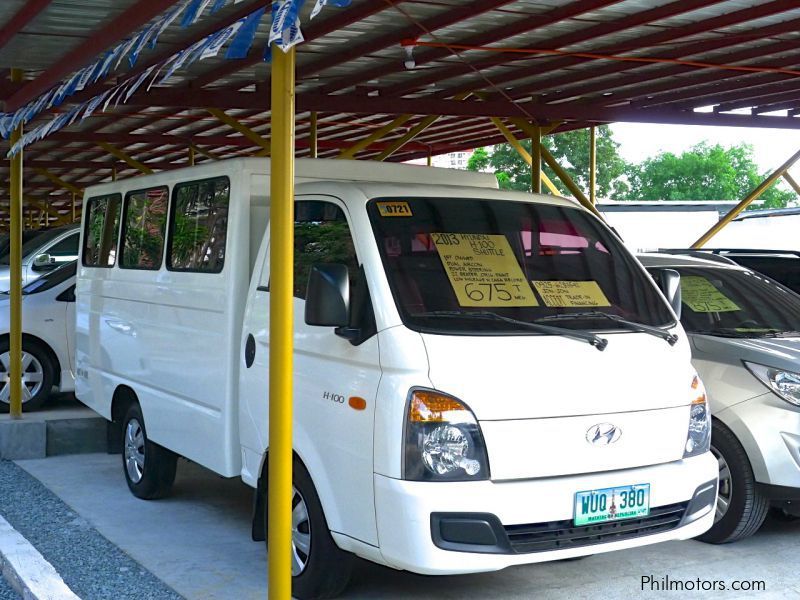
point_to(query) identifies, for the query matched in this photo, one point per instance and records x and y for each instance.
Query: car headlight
(698, 440)
(443, 441)
(784, 383)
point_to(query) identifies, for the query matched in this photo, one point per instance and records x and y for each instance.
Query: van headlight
(785, 384)
(698, 440)
(443, 440)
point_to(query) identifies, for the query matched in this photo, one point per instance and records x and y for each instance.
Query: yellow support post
(73, 207)
(205, 153)
(374, 136)
(760, 189)
(58, 181)
(191, 155)
(430, 157)
(281, 264)
(237, 125)
(126, 158)
(415, 131)
(536, 160)
(792, 182)
(312, 135)
(515, 143)
(113, 172)
(15, 272)
(593, 164)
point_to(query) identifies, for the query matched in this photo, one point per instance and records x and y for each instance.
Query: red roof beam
(29, 11)
(652, 40)
(518, 27)
(126, 23)
(598, 85)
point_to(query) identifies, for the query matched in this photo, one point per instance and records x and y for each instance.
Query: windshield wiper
(590, 338)
(671, 338)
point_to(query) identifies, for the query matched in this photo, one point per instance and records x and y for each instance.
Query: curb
(27, 571)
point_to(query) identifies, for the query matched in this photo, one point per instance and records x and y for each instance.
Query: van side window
(198, 226)
(321, 235)
(143, 224)
(102, 228)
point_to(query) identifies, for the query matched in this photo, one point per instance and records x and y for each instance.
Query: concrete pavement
(198, 543)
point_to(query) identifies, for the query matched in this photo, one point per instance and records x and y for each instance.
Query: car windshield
(31, 242)
(454, 262)
(52, 279)
(736, 303)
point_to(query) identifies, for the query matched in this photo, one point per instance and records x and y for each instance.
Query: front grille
(560, 535)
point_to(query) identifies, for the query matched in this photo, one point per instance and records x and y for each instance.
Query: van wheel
(741, 508)
(320, 569)
(149, 468)
(37, 376)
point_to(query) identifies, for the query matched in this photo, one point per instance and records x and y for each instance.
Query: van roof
(308, 169)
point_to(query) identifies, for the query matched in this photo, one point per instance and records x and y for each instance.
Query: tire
(149, 468)
(38, 375)
(741, 508)
(320, 569)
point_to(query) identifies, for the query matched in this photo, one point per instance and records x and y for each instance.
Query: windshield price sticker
(394, 209)
(571, 294)
(700, 295)
(483, 270)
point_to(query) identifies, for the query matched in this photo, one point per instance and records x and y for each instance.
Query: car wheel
(320, 569)
(149, 468)
(38, 373)
(741, 508)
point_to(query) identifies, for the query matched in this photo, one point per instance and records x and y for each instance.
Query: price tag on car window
(702, 296)
(571, 294)
(483, 270)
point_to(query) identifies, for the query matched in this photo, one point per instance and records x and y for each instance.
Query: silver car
(42, 253)
(744, 330)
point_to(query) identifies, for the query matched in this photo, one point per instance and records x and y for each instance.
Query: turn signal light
(430, 407)
(357, 403)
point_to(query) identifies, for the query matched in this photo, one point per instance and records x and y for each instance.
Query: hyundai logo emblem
(603, 434)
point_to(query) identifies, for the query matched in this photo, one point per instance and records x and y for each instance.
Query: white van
(482, 378)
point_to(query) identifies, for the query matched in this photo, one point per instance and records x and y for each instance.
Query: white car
(745, 334)
(42, 251)
(48, 338)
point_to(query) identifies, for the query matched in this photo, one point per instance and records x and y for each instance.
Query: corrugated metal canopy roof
(564, 61)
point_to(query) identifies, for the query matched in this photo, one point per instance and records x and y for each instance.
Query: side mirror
(328, 296)
(669, 281)
(43, 262)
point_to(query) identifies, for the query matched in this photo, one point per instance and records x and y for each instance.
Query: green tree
(571, 150)
(704, 172)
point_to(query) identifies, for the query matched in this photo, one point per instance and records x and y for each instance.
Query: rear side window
(144, 223)
(102, 228)
(198, 226)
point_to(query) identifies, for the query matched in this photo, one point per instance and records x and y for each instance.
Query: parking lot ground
(198, 542)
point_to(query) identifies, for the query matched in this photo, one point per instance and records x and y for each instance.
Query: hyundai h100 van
(482, 378)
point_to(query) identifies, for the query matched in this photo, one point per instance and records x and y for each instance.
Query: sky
(771, 147)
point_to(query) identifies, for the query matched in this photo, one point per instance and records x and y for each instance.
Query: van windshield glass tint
(736, 303)
(524, 261)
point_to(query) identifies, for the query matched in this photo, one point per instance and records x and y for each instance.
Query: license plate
(612, 504)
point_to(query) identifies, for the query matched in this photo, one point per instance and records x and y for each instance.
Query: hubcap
(134, 450)
(32, 377)
(301, 533)
(725, 486)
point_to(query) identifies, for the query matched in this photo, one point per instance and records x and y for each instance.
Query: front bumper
(769, 430)
(410, 514)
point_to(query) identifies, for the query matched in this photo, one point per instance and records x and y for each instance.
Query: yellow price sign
(702, 296)
(483, 270)
(394, 209)
(571, 294)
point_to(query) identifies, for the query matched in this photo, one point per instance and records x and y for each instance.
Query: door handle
(249, 350)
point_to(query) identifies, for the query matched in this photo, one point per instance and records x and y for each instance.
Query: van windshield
(736, 303)
(453, 262)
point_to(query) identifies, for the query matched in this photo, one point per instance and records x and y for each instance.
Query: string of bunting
(239, 37)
